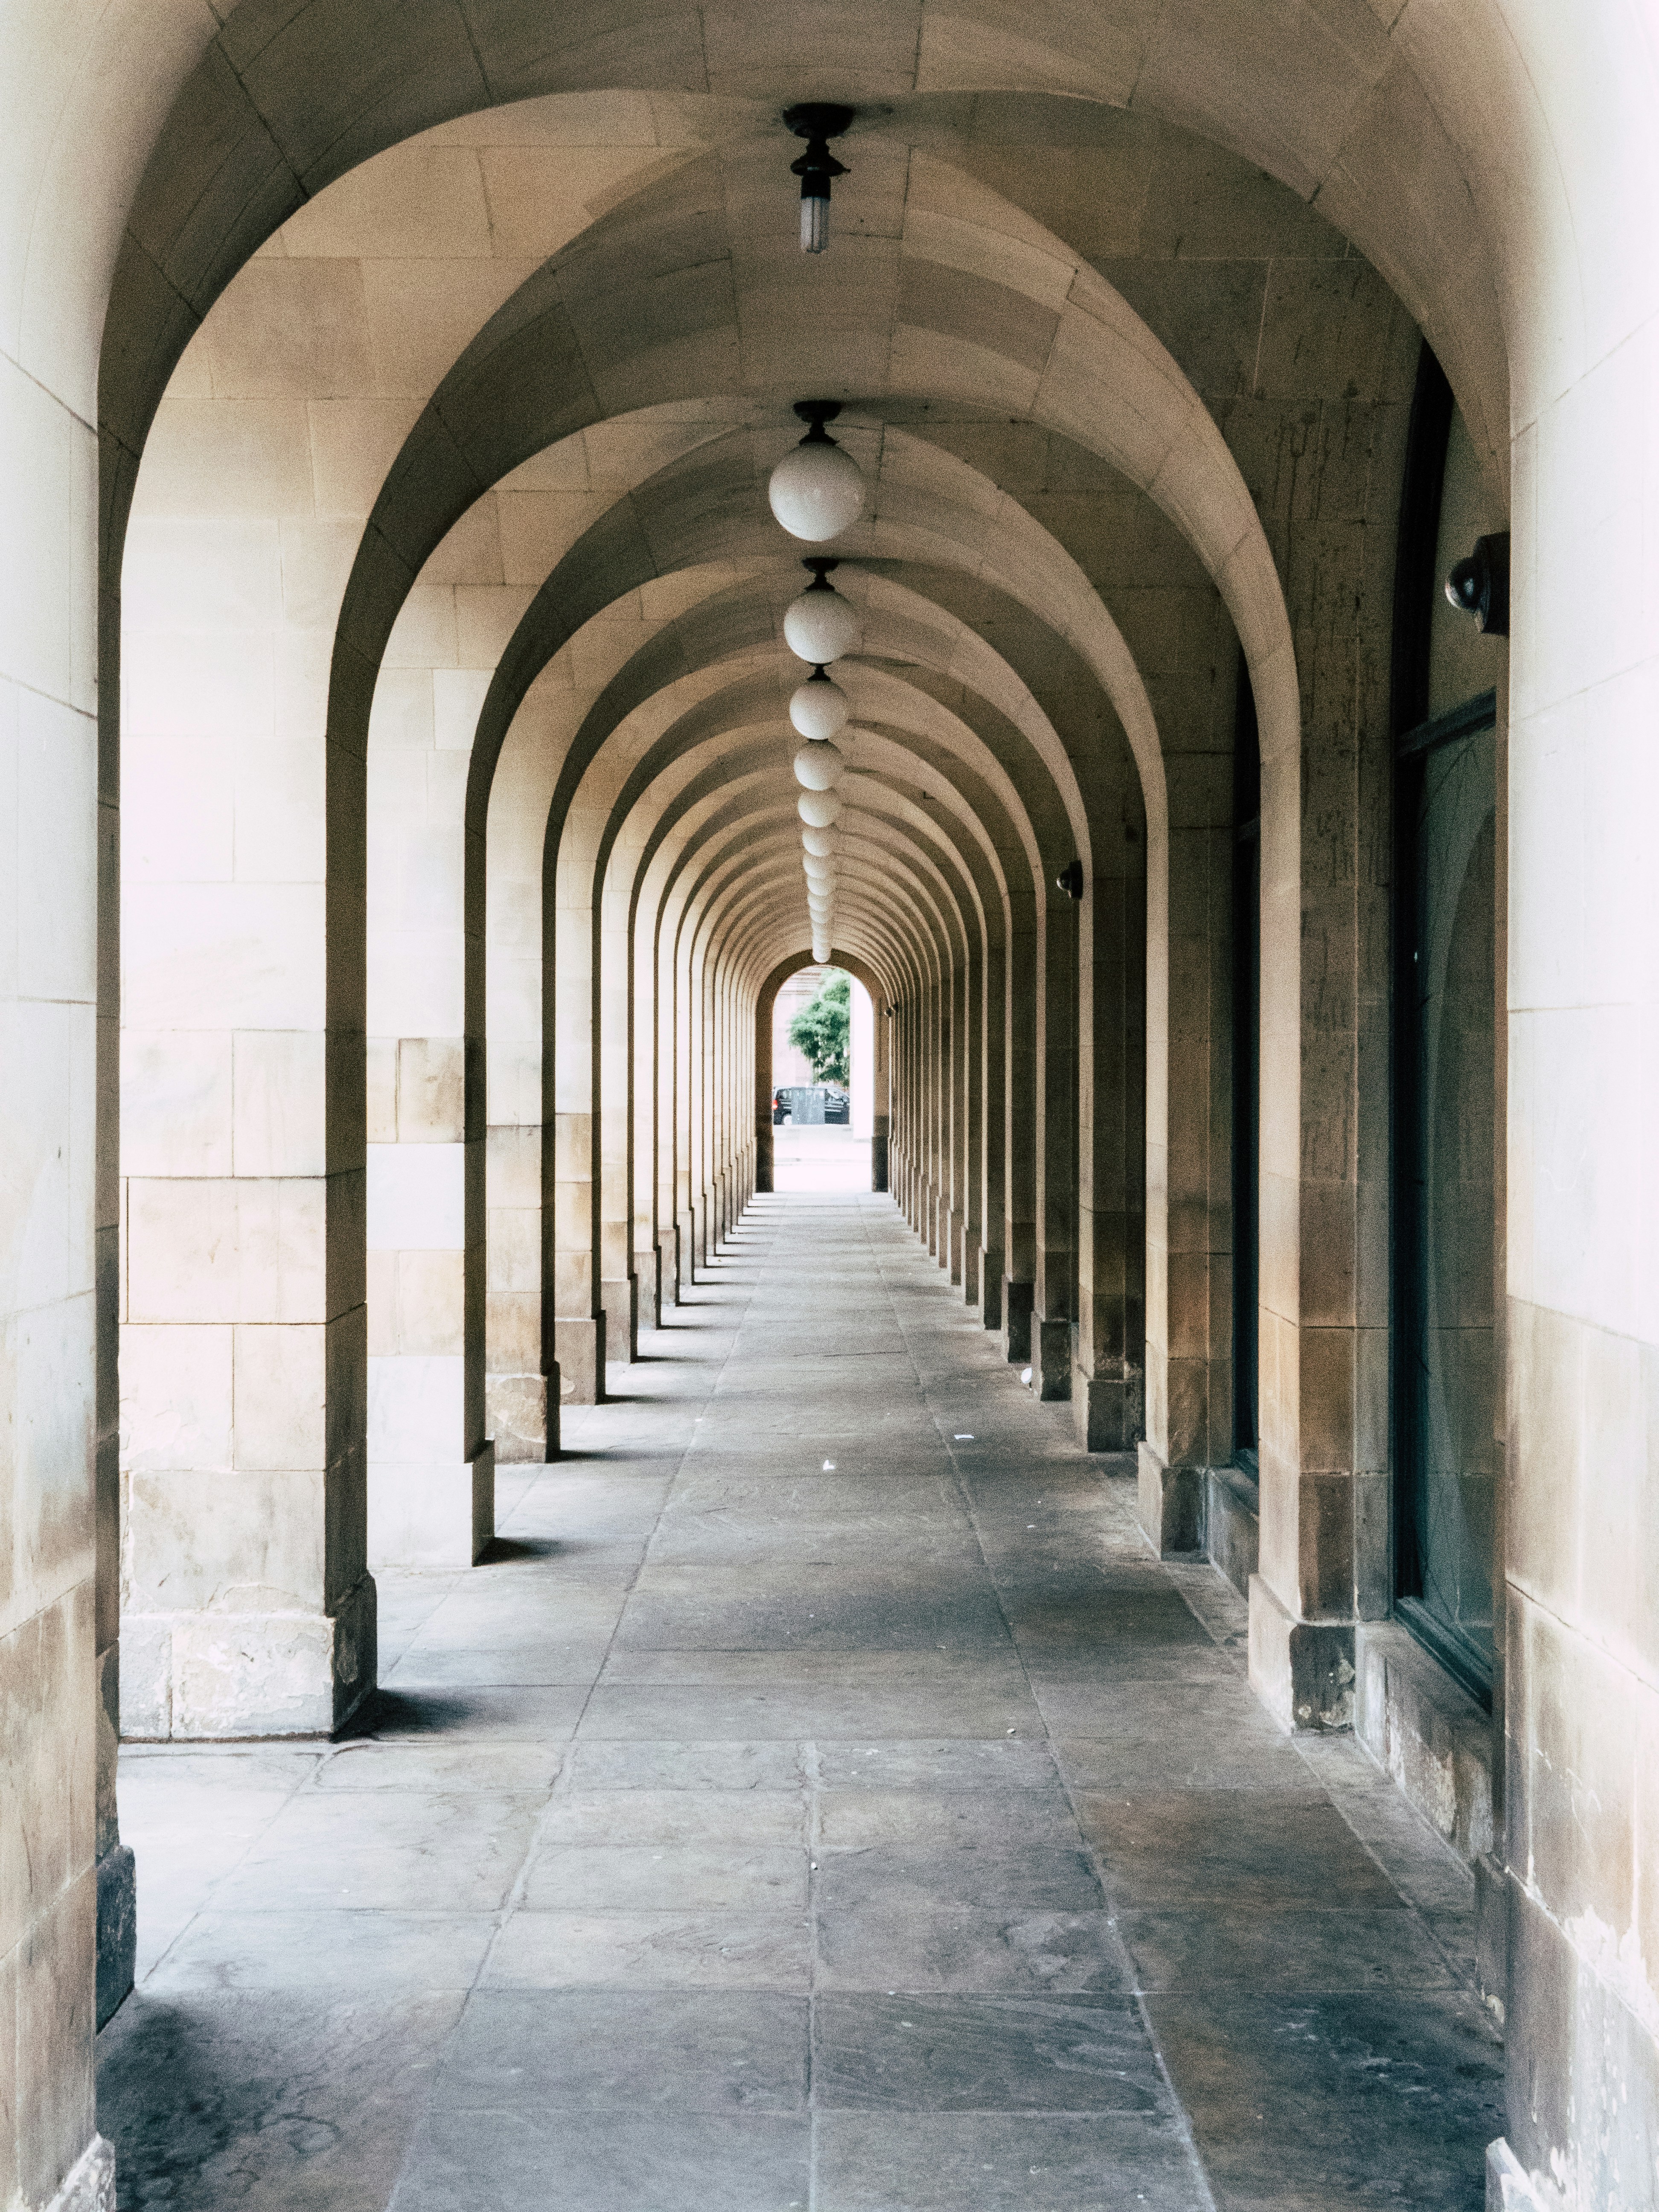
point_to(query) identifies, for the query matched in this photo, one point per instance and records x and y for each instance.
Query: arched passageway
(398, 675)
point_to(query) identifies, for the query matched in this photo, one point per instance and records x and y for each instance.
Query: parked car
(804, 1103)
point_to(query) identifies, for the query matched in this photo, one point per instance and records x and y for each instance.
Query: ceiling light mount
(819, 708)
(821, 625)
(817, 491)
(816, 121)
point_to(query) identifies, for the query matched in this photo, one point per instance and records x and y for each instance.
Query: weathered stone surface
(750, 1850)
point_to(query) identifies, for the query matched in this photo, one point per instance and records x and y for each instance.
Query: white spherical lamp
(821, 843)
(819, 766)
(820, 809)
(817, 491)
(819, 708)
(820, 625)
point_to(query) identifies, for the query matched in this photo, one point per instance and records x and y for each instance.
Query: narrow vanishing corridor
(821, 1798)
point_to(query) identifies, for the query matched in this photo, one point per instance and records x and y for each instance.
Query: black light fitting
(816, 121)
(1070, 879)
(1479, 585)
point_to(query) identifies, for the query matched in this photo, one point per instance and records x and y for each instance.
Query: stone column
(1020, 1137)
(431, 1487)
(619, 1289)
(579, 1318)
(1053, 1287)
(992, 1016)
(1325, 1489)
(1108, 1385)
(250, 1609)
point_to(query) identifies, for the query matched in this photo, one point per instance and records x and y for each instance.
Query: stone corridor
(820, 1798)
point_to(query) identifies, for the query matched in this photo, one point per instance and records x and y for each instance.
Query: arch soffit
(736, 628)
(1383, 124)
(723, 477)
(726, 890)
(703, 870)
(745, 768)
(719, 723)
(737, 756)
(1105, 381)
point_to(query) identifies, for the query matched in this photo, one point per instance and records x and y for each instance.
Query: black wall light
(1480, 585)
(816, 121)
(1070, 880)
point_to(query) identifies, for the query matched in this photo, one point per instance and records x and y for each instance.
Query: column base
(210, 1677)
(118, 1929)
(580, 1343)
(971, 1258)
(1427, 1732)
(990, 1284)
(1018, 1300)
(685, 1251)
(647, 1286)
(1510, 2188)
(515, 1413)
(1051, 1360)
(878, 1160)
(668, 1271)
(1169, 1502)
(89, 2185)
(1109, 1411)
(1491, 1936)
(957, 1231)
(1232, 1524)
(431, 1513)
(620, 1297)
(1302, 1670)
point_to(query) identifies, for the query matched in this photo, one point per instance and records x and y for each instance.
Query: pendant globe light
(820, 810)
(819, 767)
(820, 625)
(819, 707)
(821, 843)
(817, 491)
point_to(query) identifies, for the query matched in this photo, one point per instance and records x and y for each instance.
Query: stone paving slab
(818, 1799)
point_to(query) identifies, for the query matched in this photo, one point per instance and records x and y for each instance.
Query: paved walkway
(820, 1802)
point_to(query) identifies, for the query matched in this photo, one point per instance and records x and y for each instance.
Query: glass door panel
(1447, 1459)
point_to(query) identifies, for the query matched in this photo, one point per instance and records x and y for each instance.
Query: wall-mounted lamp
(1070, 880)
(816, 121)
(1480, 585)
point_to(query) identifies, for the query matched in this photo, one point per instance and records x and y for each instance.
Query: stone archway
(765, 999)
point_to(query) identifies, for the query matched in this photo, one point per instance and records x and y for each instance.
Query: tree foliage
(822, 1028)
